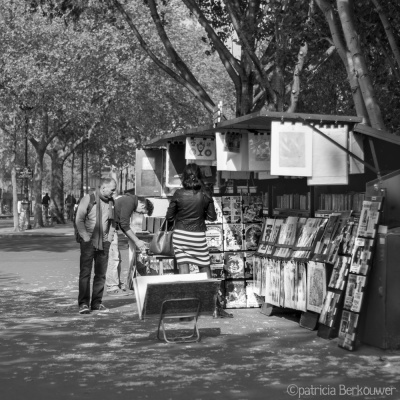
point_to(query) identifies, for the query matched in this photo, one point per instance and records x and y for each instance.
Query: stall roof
(261, 121)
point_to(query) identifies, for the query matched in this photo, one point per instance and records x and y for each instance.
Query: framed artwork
(259, 152)
(231, 154)
(329, 161)
(200, 149)
(291, 149)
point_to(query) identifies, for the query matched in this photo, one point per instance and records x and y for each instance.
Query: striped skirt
(191, 248)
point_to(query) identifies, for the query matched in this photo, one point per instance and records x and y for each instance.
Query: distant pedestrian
(94, 230)
(125, 205)
(45, 207)
(70, 202)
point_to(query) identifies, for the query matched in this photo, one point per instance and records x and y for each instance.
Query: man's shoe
(84, 309)
(113, 292)
(99, 307)
(117, 293)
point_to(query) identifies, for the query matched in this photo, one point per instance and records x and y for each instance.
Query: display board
(149, 172)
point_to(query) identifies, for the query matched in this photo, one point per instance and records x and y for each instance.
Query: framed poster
(149, 171)
(175, 164)
(232, 155)
(291, 149)
(259, 152)
(329, 161)
(199, 149)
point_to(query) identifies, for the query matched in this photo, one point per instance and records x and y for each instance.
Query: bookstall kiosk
(291, 191)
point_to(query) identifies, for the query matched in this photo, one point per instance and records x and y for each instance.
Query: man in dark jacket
(125, 205)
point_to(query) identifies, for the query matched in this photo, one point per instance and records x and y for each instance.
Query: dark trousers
(100, 258)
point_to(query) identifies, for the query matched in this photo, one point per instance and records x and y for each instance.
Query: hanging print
(200, 148)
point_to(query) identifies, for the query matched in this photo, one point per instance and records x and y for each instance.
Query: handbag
(161, 244)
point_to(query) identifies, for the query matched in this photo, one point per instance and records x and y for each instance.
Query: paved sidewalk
(48, 351)
(66, 229)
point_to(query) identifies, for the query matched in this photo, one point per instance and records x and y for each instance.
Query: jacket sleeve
(81, 216)
(211, 214)
(172, 209)
(124, 207)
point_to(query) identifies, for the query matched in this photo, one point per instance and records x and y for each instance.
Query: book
(217, 258)
(322, 246)
(233, 237)
(316, 286)
(290, 272)
(287, 234)
(301, 285)
(214, 237)
(348, 329)
(235, 294)
(308, 232)
(275, 231)
(257, 275)
(354, 292)
(283, 252)
(248, 264)
(262, 248)
(252, 208)
(234, 265)
(361, 256)
(167, 266)
(266, 230)
(232, 209)
(339, 273)
(218, 210)
(273, 283)
(329, 308)
(369, 219)
(217, 271)
(252, 234)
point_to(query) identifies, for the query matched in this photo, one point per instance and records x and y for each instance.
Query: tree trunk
(14, 189)
(337, 37)
(37, 188)
(360, 66)
(57, 185)
(72, 172)
(82, 169)
(389, 31)
(294, 96)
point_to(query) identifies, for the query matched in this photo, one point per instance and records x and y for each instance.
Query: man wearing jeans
(93, 224)
(125, 205)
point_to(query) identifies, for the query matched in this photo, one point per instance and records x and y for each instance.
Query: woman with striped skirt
(190, 207)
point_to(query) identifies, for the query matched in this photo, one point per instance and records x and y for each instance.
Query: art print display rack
(359, 270)
(232, 241)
